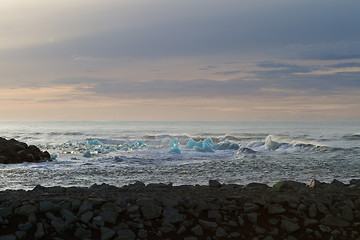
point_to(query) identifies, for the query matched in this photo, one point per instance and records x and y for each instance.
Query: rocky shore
(287, 210)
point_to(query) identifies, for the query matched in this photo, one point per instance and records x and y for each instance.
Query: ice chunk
(201, 146)
(94, 142)
(87, 154)
(175, 150)
(227, 146)
(191, 143)
(270, 144)
(174, 146)
(174, 143)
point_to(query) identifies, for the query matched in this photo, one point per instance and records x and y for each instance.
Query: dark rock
(331, 220)
(13, 151)
(214, 184)
(314, 183)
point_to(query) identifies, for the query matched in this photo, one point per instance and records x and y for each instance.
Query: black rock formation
(13, 151)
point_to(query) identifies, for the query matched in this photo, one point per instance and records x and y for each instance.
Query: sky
(230, 60)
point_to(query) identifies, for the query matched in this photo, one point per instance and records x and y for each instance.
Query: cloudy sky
(180, 60)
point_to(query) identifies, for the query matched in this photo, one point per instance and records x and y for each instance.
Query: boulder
(13, 151)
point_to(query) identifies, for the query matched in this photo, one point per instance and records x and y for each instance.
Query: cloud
(344, 50)
(227, 73)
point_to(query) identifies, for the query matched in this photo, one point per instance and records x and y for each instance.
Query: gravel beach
(287, 210)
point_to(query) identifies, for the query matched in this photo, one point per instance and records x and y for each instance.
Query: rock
(331, 220)
(322, 208)
(214, 214)
(337, 183)
(313, 211)
(137, 185)
(39, 231)
(250, 207)
(172, 215)
(142, 234)
(107, 233)
(259, 230)
(32, 219)
(355, 182)
(126, 235)
(109, 217)
(220, 232)
(13, 151)
(314, 184)
(214, 184)
(167, 227)
(210, 226)
(8, 237)
(21, 235)
(27, 210)
(25, 226)
(68, 216)
(85, 207)
(347, 213)
(5, 212)
(47, 206)
(310, 222)
(98, 222)
(82, 233)
(252, 217)
(59, 225)
(289, 226)
(133, 209)
(111, 207)
(86, 217)
(197, 230)
(275, 209)
(150, 209)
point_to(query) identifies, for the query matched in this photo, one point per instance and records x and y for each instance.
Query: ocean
(119, 152)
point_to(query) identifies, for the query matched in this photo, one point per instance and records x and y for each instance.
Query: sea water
(119, 153)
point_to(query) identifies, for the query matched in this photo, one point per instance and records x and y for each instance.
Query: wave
(66, 133)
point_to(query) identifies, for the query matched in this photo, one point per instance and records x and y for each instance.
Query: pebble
(251, 212)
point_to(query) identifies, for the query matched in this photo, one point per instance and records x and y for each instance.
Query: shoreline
(288, 210)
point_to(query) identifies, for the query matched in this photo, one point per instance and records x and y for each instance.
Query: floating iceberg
(174, 147)
(227, 146)
(201, 146)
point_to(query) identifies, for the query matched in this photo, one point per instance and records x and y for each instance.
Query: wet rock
(331, 220)
(314, 184)
(347, 213)
(39, 231)
(27, 210)
(86, 217)
(214, 184)
(5, 212)
(109, 217)
(250, 207)
(8, 237)
(13, 151)
(98, 222)
(47, 206)
(21, 235)
(197, 230)
(220, 232)
(59, 225)
(82, 233)
(68, 216)
(111, 207)
(172, 215)
(275, 209)
(107, 233)
(289, 226)
(126, 235)
(252, 217)
(150, 209)
(208, 225)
